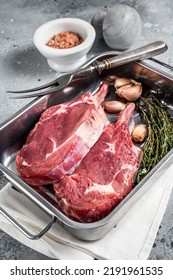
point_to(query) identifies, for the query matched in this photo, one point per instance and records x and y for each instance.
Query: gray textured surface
(23, 67)
(10, 249)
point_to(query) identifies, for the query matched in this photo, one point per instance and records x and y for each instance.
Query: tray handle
(25, 231)
(14, 179)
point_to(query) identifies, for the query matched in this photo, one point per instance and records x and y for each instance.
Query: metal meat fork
(97, 67)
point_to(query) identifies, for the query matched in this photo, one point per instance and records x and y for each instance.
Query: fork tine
(37, 94)
(54, 86)
(52, 83)
(62, 82)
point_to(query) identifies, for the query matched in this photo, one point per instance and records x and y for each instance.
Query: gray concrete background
(21, 66)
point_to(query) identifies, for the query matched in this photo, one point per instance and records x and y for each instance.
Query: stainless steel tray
(14, 131)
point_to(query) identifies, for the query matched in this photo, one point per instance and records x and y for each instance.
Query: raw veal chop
(105, 176)
(62, 137)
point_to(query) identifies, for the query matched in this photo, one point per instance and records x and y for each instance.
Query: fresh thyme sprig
(159, 134)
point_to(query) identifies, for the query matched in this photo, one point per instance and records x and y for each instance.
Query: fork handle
(141, 53)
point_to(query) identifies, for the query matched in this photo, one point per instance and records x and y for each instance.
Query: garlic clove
(130, 92)
(139, 133)
(127, 88)
(114, 106)
(119, 82)
(122, 90)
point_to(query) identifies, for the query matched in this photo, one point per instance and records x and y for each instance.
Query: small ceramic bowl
(65, 60)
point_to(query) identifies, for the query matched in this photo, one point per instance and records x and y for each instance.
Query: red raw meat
(105, 176)
(62, 137)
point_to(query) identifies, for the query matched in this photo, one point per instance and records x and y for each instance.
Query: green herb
(159, 134)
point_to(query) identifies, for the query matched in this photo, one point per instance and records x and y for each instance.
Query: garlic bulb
(139, 133)
(121, 26)
(114, 106)
(128, 89)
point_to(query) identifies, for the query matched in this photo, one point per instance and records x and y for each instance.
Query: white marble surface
(23, 67)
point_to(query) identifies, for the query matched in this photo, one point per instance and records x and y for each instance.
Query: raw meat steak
(62, 137)
(105, 176)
